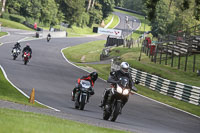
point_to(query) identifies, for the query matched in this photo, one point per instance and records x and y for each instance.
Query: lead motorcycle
(15, 53)
(26, 57)
(82, 94)
(119, 91)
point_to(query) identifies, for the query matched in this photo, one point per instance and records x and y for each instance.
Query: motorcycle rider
(17, 46)
(48, 37)
(92, 77)
(115, 75)
(28, 49)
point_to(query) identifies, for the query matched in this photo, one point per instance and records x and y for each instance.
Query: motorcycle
(113, 106)
(26, 57)
(82, 94)
(48, 38)
(15, 53)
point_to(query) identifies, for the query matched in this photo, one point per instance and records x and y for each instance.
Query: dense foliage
(52, 12)
(167, 16)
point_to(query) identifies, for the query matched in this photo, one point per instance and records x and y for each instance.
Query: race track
(54, 78)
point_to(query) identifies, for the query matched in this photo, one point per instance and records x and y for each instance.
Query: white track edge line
(135, 93)
(74, 64)
(5, 75)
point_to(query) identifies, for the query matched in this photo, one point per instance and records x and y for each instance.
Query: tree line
(52, 12)
(167, 16)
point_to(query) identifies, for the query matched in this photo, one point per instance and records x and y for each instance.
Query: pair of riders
(25, 49)
(115, 75)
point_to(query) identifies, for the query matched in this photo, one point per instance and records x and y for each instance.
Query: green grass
(86, 52)
(108, 19)
(3, 34)
(12, 24)
(114, 23)
(9, 93)
(25, 122)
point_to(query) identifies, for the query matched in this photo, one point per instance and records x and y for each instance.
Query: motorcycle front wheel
(106, 113)
(116, 111)
(83, 100)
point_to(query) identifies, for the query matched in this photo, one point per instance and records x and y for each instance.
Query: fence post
(155, 56)
(179, 60)
(166, 56)
(172, 58)
(194, 62)
(186, 59)
(161, 55)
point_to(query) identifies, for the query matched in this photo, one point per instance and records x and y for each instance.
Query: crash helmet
(94, 76)
(27, 45)
(124, 67)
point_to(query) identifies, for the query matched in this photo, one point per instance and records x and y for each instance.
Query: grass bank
(89, 52)
(12, 24)
(26, 122)
(9, 93)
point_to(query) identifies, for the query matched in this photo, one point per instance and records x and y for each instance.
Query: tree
(107, 7)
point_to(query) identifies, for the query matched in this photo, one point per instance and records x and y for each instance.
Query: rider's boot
(73, 96)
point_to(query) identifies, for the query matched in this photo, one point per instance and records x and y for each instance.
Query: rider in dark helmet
(17, 46)
(92, 77)
(123, 72)
(27, 49)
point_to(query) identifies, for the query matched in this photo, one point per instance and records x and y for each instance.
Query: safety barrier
(177, 90)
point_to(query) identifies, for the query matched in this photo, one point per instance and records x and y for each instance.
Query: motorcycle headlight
(119, 89)
(125, 92)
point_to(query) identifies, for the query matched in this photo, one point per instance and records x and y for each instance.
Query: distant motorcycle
(113, 108)
(48, 37)
(26, 57)
(82, 94)
(15, 53)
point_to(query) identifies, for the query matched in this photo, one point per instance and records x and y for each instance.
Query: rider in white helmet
(115, 75)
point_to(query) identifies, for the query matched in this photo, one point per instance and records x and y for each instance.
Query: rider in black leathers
(17, 46)
(115, 75)
(28, 49)
(92, 77)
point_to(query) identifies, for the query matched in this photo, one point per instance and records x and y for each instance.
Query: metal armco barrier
(177, 90)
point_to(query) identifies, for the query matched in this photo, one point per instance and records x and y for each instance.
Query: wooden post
(160, 55)
(179, 60)
(186, 59)
(155, 56)
(172, 62)
(194, 62)
(166, 56)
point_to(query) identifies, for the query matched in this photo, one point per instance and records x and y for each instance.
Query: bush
(5, 16)
(17, 18)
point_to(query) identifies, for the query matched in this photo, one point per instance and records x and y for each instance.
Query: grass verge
(114, 23)
(3, 34)
(89, 52)
(26, 122)
(12, 24)
(9, 93)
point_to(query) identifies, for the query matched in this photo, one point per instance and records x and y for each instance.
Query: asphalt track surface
(54, 78)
